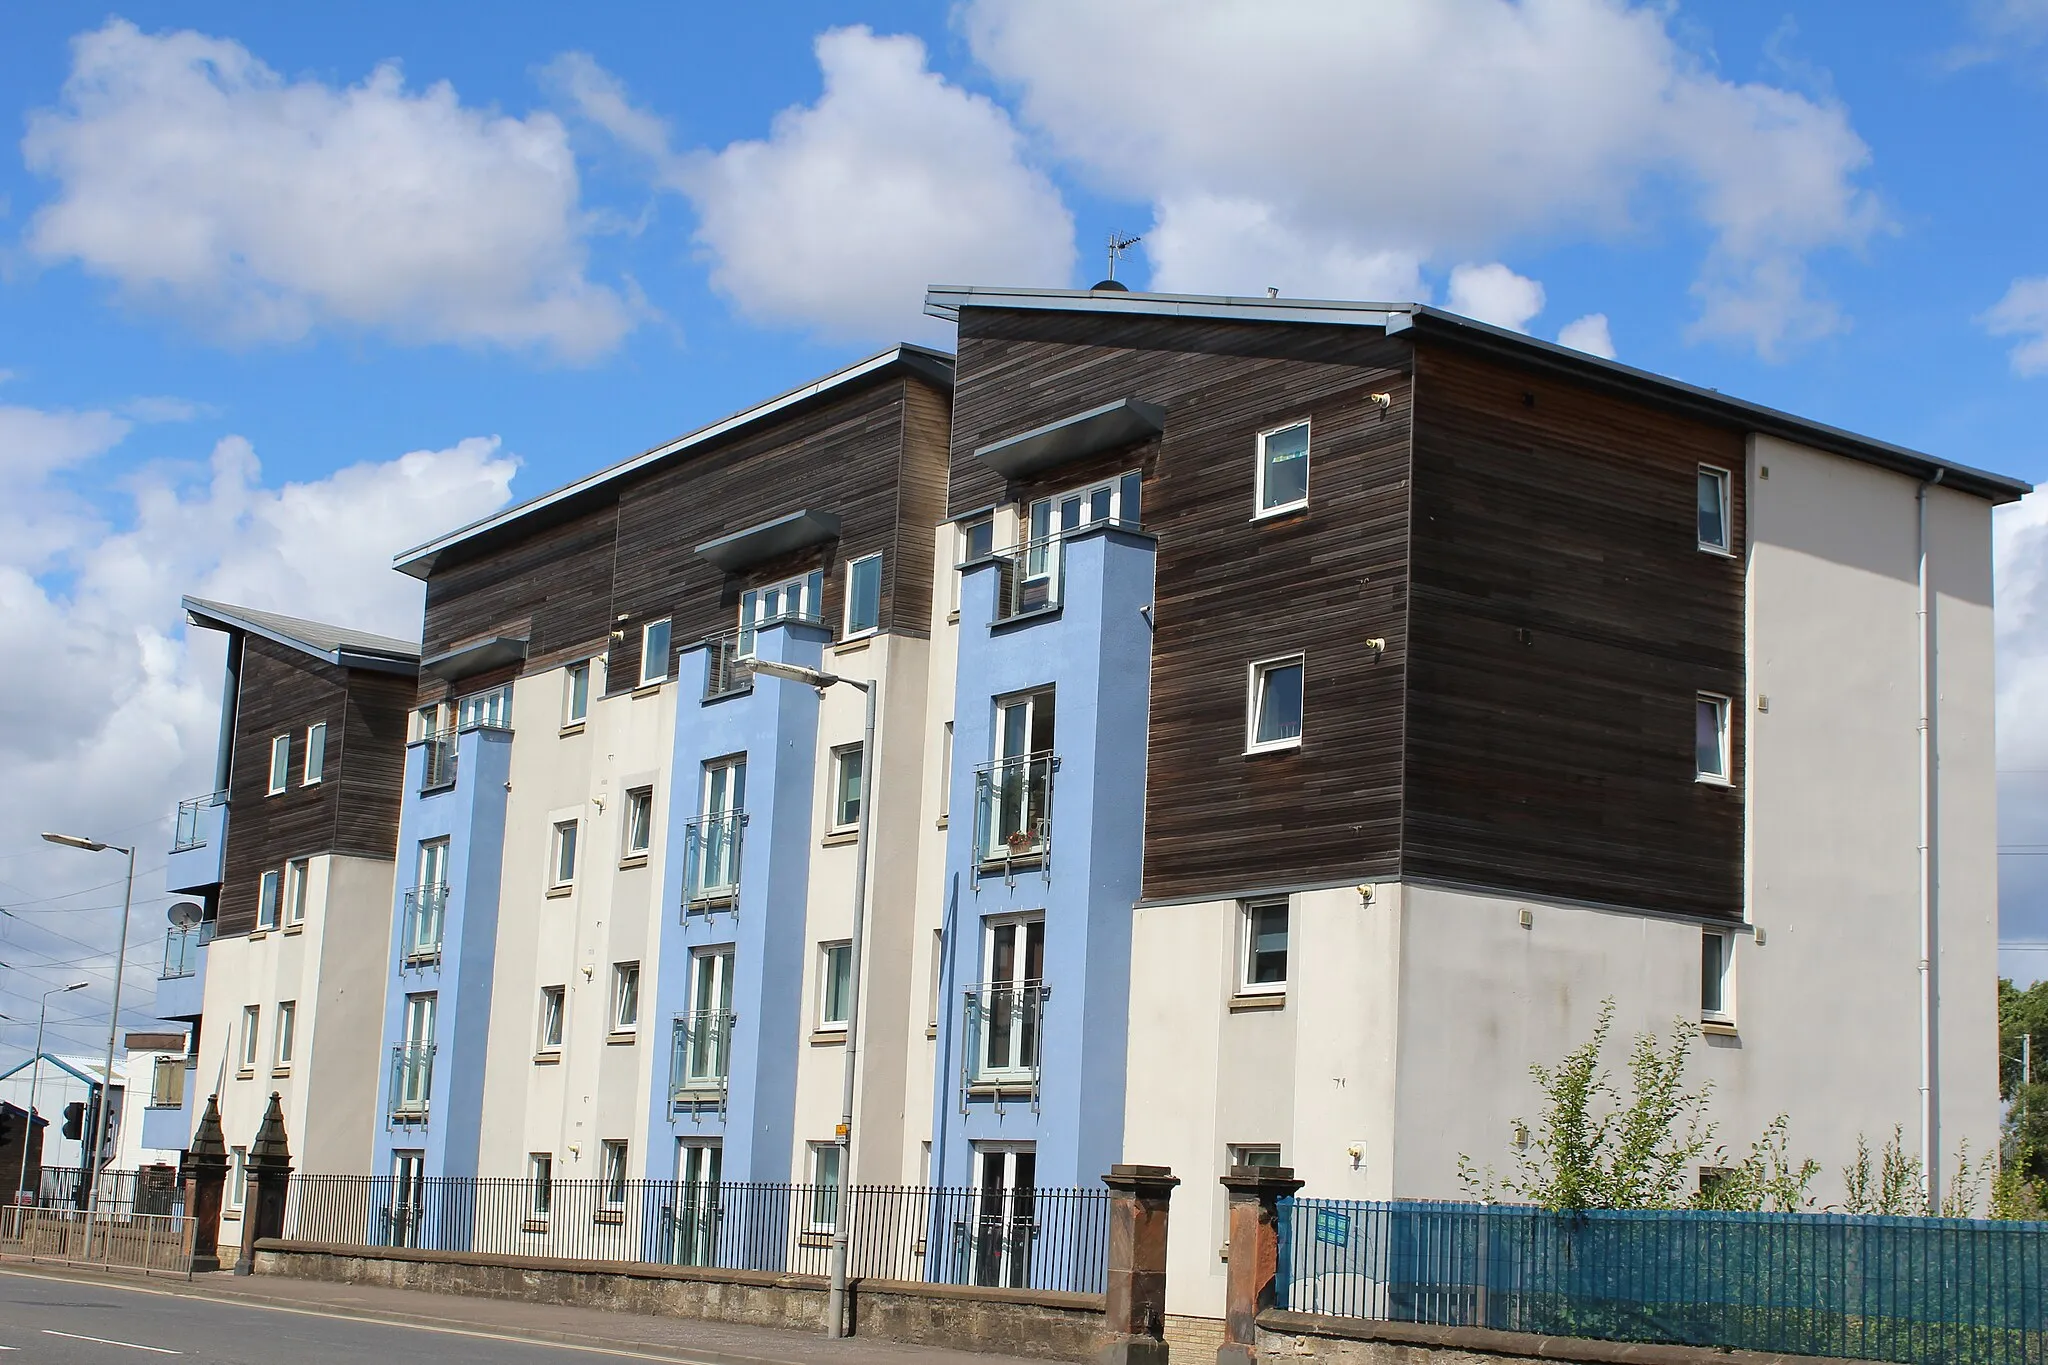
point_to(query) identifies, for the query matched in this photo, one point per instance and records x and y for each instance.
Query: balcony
(198, 844)
(437, 764)
(1013, 810)
(711, 860)
(1029, 578)
(726, 673)
(412, 1082)
(700, 1057)
(167, 1120)
(194, 828)
(419, 935)
(181, 950)
(1004, 1028)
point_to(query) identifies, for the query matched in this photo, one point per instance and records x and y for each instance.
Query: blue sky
(267, 315)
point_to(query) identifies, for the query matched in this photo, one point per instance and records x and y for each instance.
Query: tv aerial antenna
(1118, 245)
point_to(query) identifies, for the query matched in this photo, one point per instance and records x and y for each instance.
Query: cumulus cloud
(1420, 131)
(1588, 334)
(837, 221)
(2023, 315)
(1493, 293)
(2020, 562)
(1216, 244)
(108, 712)
(201, 182)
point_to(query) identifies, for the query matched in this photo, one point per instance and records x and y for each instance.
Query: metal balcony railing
(437, 766)
(420, 933)
(412, 1081)
(726, 674)
(191, 831)
(1004, 1026)
(181, 950)
(711, 859)
(1013, 809)
(700, 1057)
(1029, 577)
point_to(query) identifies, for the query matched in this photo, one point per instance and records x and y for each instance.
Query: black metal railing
(726, 673)
(412, 1081)
(426, 909)
(711, 858)
(1013, 808)
(1018, 1238)
(191, 830)
(437, 764)
(181, 950)
(150, 1190)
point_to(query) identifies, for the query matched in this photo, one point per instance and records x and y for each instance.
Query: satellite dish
(186, 914)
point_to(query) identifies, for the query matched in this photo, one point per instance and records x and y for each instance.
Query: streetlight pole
(835, 1301)
(35, 1074)
(99, 1126)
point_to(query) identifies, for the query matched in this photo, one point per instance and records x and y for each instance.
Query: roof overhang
(218, 616)
(742, 550)
(478, 656)
(1073, 438)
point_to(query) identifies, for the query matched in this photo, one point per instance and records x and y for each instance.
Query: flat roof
(934, 365)
(946, 301)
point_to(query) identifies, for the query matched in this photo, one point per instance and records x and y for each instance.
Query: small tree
(1896, 1186)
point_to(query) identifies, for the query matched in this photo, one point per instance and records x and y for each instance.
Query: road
(73, 1322)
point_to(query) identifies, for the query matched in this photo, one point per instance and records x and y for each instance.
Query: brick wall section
(1192, 1341)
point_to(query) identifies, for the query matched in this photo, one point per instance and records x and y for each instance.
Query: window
(1263, 955)
(316, 753)
(1710, 738)
(713, 850)
(1717, 955)
(707, 1028)
(846, 774)
(238, 1188)
(639, 831)
(429, 721)
(553, 1001)
(612, 1173)
(1275, 704)
(562, 866)
(490, 709)
(835, 984)
(654, 639)
(296, 874)
(1283, 469)
(280, 763)
(540, 1174)
(1006, 1214)
(946, 771)
(287, 1017)
(1011, 998)
(1714, 509)
(825, 1186)
(1111, 500)
(266, 901)
(1017, 787)
(625, 996)
(252, 1020)
(977, 538)
(799, 599)
(1260, 1154)
(575, 693)
(863, 595)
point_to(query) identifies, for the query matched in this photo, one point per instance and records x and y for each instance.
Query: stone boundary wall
(1043, 1325)
(1356, 1341)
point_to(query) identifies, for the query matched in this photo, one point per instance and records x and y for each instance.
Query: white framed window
(287, 1023)
(1018, 791)
(639, 823)
(1717, 962)
(1283, 469)
(1710, 739)
(280, 763)
(847, 761)
(946, 771)
(490, 709)
(1273, 704)
(238, 1187)
(797, 599)
(316, 754)
(824, 1202)
(252, 1023)
(297, 873)
(863, 596)
(266, 901)
(575, 693)
(708, 1025)
(625, 997)
(540, 1176)
(835, 984)
(714, 868)
(554, 1001)
(1263, 1155)
(1713, 510)
(1262, 948)
(562, 859)
(611, 1172)
(654, 649)
(1115, 499)
(973, 539)
(1012, 996)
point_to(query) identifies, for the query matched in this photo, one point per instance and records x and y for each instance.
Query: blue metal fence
(1956, 1291)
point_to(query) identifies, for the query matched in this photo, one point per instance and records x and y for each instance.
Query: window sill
(941, 822)
(1285, 746)
(574, 727)
(1723, 1027)
(633, 860)
(281, 1072)
(1004, 1090)
(1269, 1000)
(650, 689)
(853, 644)
(1717, 551)
(1025, 618)
(1707, 780)
(815, 1238)
(247, 1073)
(261, 933)
(615, 1217)
(298, 928)
(1284, 510)
(534, 1225)
(557, 892)
(310, 782)
(624, 1037)
(550, 1058)
(953, 617)
(231, 1215)
(931, 1031)
(835, 838)
(828, 1037)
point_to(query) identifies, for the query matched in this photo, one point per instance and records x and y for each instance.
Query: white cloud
(202, 182)
(2020, 564)
(1493, 293)
(839, 219)
(109, 713)
(1212, 244)
(1433, 131)
(2023, 314)
(1588, 334)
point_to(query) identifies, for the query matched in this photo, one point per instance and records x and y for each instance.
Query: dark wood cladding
(352, 810)
(1563, 622)
(1231, 590)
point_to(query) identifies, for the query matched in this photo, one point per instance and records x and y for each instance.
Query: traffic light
(74, 1121)
(6, 1128)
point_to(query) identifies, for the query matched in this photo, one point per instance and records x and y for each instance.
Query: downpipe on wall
(1930, 902)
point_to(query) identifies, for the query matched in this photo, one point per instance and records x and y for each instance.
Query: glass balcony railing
(1029, 578)
(181, 950)
(437, 768)
(726, 674)
(1004, 1027)
(1013, 808)
(420, 932)
(412, 1081)
(192, 822)
(711, 858)
(700, 1056)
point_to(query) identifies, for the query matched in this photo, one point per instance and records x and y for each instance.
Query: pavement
(84, 1317)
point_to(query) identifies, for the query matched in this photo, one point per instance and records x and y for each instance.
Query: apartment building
(278, 975)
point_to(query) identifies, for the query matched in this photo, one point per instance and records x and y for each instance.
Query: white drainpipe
(1930, 903)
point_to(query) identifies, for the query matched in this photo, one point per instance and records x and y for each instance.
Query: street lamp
(35, 1073)
(99, 1127)
(835, 1304)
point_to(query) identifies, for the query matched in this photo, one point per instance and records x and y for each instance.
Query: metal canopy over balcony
(1071, 438)
(478, 656)
(743, 549)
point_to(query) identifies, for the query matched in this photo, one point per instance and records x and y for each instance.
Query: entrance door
(697, 1213)
(1005, 1214)
(408, 1199)
(725, 803)
(415, 1079)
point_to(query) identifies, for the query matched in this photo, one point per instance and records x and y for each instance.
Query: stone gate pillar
(270, 1173)
(1134, 1323)
(206, 1178)
(1255, 1195)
